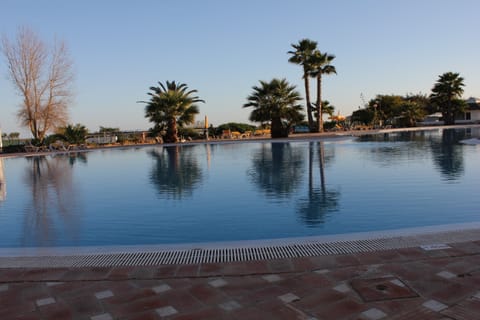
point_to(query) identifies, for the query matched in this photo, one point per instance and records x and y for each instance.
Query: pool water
(240, 191)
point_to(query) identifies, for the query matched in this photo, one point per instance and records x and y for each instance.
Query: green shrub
(189, 133)
(234, 126)
(13, 148)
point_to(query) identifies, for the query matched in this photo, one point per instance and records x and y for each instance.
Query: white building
(472, 114)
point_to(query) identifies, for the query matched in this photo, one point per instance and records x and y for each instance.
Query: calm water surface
(219, 192)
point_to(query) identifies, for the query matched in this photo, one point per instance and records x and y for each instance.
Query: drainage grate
(379, 289)
(305, 248)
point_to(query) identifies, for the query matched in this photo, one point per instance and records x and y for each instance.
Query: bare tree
(42, 76)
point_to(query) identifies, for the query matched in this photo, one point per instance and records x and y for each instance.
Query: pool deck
(439, 281)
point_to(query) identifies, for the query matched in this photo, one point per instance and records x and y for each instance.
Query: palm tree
(327, 108)
(171, 105)
(411, 113)
(74, 134)
(275, 102)
(320, 65)
(446, 95)
(302, 56)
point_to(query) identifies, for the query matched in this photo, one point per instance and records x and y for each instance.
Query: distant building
(101, 138)
(433, 118)
(471, 114)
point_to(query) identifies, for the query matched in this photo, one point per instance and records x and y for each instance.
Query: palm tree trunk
(448, 115)
(173, 158)
(171, 135)
(277, 129)
(310, 168)
(307, 98)
(319, 125)
(321, 161)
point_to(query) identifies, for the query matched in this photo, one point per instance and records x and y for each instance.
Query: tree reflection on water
(320, 200)
(278, 170)
(53, 208)
(175, 172)
(3, 184)
(447, 154)
(442, 146)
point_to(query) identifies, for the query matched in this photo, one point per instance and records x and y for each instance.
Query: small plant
(73, 134)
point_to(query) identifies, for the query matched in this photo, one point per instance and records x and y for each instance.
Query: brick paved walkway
(397, 284)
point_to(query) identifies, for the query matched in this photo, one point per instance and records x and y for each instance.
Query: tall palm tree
(171, 105)
(302, 54)
(446, 94)
(320, 65)
(275, 102)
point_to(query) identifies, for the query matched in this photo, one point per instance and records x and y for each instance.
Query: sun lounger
(59, 146)
(29, 147)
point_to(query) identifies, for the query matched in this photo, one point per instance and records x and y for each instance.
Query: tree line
(406, 111)
(43, 76)
(275, 102)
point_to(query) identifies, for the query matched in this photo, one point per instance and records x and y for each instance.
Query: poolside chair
(235, 134)
(226, 134)
(73, 147)
(59, 146)
(29, 147)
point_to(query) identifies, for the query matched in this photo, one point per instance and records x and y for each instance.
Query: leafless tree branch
(43, 77)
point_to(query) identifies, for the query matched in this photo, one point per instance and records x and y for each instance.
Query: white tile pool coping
(429, 238)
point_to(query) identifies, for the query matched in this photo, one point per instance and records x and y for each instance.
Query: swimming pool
(239, 191)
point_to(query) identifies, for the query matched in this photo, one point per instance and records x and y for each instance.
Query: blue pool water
(239, 191)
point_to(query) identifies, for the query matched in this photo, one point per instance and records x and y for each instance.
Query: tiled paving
(435, 283)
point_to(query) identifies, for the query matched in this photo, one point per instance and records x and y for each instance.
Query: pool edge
(239, 251)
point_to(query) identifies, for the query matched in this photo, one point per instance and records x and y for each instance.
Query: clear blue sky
(223, 47)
